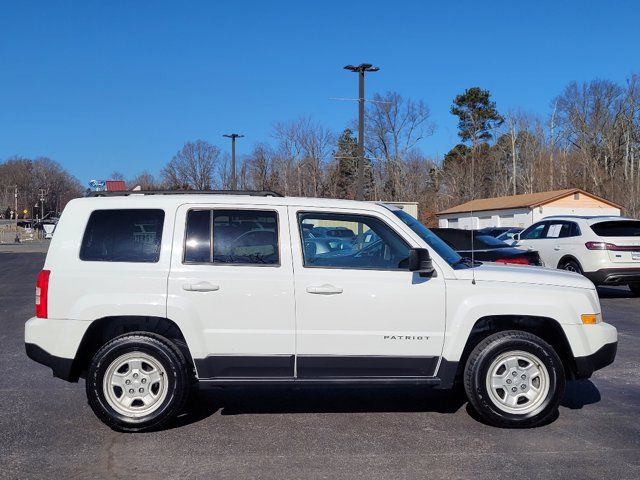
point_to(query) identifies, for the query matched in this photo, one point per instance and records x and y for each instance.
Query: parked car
(604, 249)
(328, 247)
(221, 291)
(334, 232)
(493, 231)
(507, 237)
(485, 247)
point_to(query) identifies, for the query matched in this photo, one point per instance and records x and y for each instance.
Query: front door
(360, 313)
(534, 238)
(231, 287)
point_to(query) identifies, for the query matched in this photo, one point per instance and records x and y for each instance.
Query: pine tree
(346, 173)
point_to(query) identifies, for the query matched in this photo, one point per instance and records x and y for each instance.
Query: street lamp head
(233, 135)
(363, 67)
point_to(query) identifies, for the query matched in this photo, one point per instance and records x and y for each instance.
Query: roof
(528, 200)
(173, 201)
(591, 219)
(115, 185)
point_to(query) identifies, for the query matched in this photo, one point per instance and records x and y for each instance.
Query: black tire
(635, 289)
(477, 370)
(571, 266)
(178, 380)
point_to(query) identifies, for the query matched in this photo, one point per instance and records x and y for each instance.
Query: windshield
(442, 249)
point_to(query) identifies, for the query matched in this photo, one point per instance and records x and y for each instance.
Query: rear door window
(617, 228)
(125, 235)
(232, 237)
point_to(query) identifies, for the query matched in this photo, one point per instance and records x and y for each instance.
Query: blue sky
(104, 86)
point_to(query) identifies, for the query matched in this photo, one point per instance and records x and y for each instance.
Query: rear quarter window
(617, 228)
(124, 235)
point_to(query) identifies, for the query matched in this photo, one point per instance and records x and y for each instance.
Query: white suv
(147, 295)
(604, 249)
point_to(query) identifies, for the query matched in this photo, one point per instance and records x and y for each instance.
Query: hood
(526, 274)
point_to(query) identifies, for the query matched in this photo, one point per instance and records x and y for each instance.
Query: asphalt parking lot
(47, 430)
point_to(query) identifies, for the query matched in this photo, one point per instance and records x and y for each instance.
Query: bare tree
(304, 147)
(194, 166)
(394, 127)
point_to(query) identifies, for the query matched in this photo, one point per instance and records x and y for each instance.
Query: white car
(147, 295)
(604, 249)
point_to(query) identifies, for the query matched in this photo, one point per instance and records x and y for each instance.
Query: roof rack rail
(126, 193)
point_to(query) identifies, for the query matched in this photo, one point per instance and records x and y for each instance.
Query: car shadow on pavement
(293, 400)
(579, 393)
(614, 292)
(267, 400)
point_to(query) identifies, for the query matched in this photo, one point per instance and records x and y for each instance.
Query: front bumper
(585, 366)
(614, 276)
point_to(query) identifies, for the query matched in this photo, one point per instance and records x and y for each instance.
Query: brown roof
(115, 186)
(528, 200)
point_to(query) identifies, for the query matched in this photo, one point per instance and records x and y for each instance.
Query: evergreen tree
(346, 173)
(477, 115)
(477, 118)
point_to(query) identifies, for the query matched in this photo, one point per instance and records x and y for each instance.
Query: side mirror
(420, 261)
(516, 237)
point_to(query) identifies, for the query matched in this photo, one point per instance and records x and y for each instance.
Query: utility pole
(360, 70)
(233, 137)
(15, 214)
(42, 193)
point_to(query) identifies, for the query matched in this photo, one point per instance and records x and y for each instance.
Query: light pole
(233, 137)
(360, 70)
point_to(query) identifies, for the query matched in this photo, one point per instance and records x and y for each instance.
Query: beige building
(523, 210)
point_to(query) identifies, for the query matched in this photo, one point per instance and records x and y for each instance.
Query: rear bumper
(585, 366)
(61, 367)
(614, 276)
(54, 343)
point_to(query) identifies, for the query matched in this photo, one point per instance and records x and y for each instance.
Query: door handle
(200, 287)
(324, 289)
(557, 247)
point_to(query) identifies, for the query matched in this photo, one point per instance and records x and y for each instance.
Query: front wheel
(137, 382)
(514, 379)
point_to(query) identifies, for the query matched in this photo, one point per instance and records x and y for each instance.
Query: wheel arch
(548, 329)
(568, 257)
(104, 329)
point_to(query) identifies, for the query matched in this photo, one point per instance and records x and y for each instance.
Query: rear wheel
(571, 266)
(635, 289)
(138, 382)
(514, 379)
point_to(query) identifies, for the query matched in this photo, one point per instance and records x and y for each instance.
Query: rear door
(624, 236)
(360, 313)
(231, 282)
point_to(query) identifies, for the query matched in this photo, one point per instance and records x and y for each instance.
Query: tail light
(42, 294)
(517, 261)
(610, 246)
